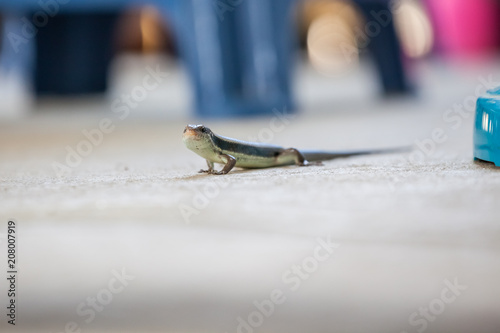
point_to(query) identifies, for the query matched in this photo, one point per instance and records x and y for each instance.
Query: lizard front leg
(230, 163)
(210, 170)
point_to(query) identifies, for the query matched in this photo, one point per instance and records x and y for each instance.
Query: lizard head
(197, 137)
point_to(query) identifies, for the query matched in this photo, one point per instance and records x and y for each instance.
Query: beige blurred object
(331, 39)
(153, 36)
(313, 9)
(414, 28)
(143, 30)
(331, 45)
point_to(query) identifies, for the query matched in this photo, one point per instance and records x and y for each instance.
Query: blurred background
(94, 95)
(231, 58)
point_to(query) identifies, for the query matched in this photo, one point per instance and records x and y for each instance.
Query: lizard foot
(218, 173)
(212, 172)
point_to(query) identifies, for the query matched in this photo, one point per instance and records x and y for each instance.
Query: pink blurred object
(465, 27)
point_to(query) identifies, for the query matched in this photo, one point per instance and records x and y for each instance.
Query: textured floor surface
(408, 242)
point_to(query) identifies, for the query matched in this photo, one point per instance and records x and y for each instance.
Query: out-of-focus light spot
(331, 41)
(331, 44)
(150, 25)
(414, 28)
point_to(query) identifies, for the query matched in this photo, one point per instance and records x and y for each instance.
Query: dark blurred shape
(74, 51)
(1, 32)
(239, 55)
(385, 48)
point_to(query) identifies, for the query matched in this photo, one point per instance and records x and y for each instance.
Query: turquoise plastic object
(487, 127)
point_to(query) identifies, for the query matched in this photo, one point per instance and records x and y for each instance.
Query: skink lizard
(251, 155)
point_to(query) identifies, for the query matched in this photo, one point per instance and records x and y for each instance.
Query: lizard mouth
(190, 134)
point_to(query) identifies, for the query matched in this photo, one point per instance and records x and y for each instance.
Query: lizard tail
(321, 155)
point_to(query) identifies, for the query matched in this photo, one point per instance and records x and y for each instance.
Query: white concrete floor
(406, 226)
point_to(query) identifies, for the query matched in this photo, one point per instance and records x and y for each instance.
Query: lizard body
(251, 155)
